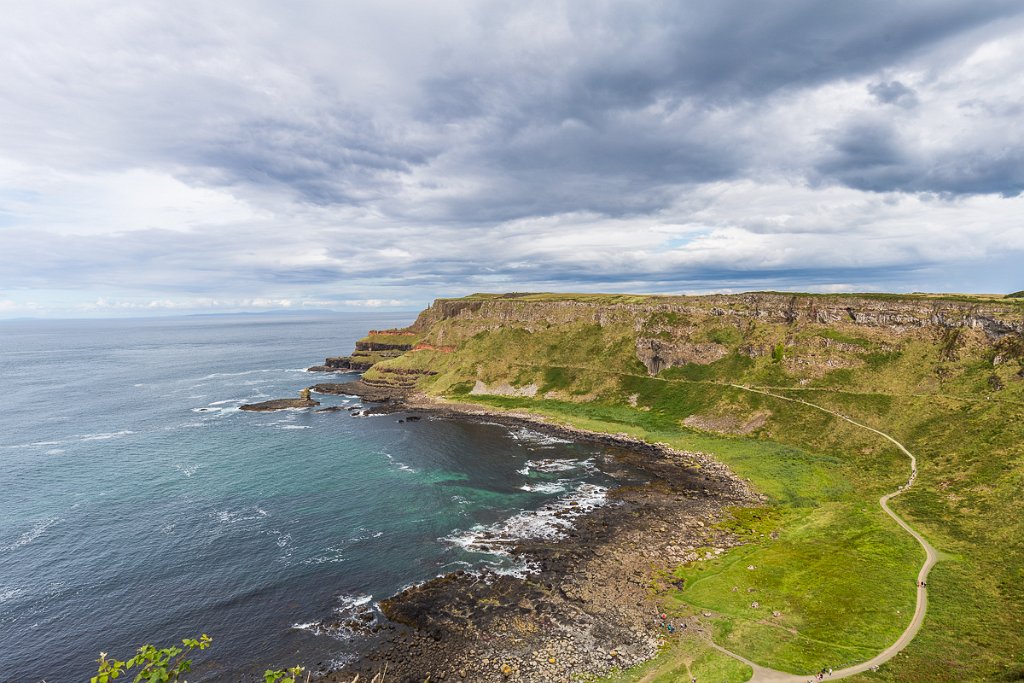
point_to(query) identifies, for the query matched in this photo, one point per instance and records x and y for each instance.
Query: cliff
(376, 346)
(574, 346)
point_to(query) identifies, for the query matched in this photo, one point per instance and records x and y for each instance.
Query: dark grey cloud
(874, 157)
(318, 147)
(893, 92)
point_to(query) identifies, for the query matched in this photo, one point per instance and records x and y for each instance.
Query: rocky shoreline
(590, 603)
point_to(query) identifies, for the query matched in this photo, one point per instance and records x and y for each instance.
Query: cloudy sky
(164, 157)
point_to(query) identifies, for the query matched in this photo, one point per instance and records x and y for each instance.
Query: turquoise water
(138, 504)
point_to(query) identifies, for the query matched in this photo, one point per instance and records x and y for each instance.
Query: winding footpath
(766, 675)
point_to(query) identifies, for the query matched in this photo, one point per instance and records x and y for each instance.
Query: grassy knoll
(839, 576)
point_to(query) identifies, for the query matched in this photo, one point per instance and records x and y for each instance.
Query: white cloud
(381, 155)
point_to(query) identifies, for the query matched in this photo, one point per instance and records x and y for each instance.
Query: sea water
(139, 504)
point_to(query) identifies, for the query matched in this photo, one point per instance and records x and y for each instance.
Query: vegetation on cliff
(833, 578)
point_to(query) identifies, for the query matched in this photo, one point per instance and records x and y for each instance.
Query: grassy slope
(838, 571)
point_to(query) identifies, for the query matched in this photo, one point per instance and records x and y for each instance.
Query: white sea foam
(246, 514)
(551, 465)
(188, 469)
(551, 521)
(186, 425)
(283, 541)
(546, 487)
(8, 592)
(244, 373)
(352, 610)
(331, 555)
(534, 438)
(37, 530)
(55, 451)
(520, 569)
(349, 602)
(107, 435)
(74, 438)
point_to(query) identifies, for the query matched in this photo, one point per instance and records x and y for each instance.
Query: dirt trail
(766, 675)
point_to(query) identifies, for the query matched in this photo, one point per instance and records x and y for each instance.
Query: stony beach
(590, 600)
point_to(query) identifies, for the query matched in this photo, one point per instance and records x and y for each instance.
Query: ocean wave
(520, 569)
(550, 522)
(551, 465)
(107, 435)
(244, 373)
(364, 534)
(186, 425)
(282, 540)
(332, 555)
(295, 427)
(37, 530)
(55, 451)
(188, 469)
(398, 464)
(247, 514)
(354, 615)
(547, 487)
(74, 438)
(218, 412)
(535, 438)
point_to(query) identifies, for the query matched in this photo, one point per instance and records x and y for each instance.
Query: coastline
(589, 604)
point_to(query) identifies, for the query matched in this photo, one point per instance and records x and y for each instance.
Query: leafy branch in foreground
(164, 665)
(283, 675)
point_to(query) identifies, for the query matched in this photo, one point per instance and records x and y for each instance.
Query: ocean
(138, 504)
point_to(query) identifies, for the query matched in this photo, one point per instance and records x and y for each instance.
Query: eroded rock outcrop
(659, 354)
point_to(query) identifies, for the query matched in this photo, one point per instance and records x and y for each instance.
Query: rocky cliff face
(806, 336)
(896, 313)
(378, 345)
(672, 331)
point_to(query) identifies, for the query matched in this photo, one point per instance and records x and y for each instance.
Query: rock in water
(280, 404)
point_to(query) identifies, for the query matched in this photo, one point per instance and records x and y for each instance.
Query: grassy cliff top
(1008, 299)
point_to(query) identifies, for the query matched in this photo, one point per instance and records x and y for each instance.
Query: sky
(199, 156)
